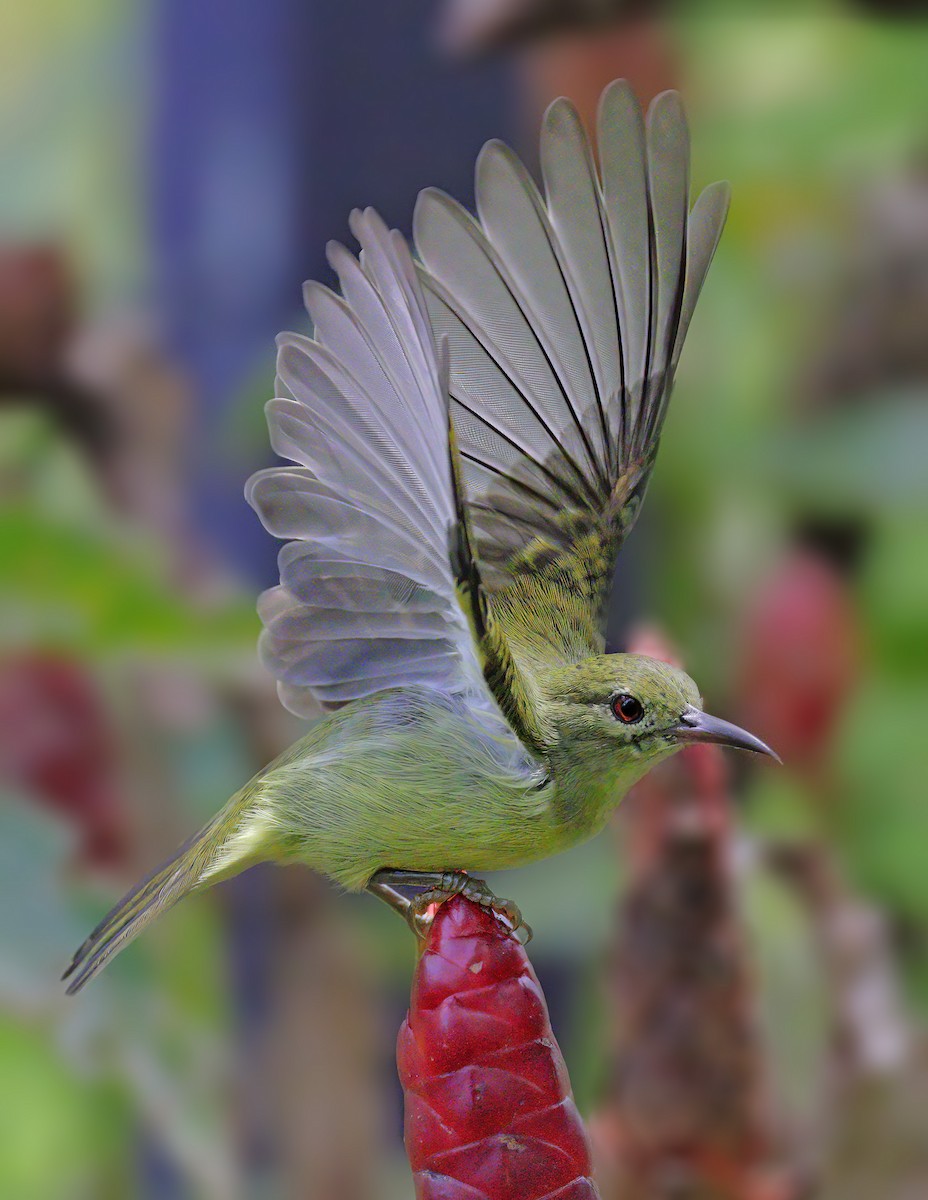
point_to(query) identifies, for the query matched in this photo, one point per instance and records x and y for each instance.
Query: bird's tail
(183, 873)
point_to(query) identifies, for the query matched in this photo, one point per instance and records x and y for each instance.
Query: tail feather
(155, 894)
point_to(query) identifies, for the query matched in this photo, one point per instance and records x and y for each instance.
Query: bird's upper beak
(696, 726)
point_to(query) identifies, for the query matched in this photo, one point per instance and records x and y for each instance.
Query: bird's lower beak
(696, 726)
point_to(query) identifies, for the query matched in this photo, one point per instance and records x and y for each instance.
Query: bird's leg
(384, 890)
(438, 886)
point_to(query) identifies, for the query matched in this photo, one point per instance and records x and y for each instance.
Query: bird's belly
(463, 837)
(414, 781)
(478, 829)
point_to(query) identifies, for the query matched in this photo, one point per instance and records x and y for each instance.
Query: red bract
(489, 1114)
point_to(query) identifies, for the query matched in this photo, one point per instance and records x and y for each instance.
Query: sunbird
(470, 433)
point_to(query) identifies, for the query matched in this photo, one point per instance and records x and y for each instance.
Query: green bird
(472, 434)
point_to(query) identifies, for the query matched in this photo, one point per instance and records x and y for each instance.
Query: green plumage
(471, 440)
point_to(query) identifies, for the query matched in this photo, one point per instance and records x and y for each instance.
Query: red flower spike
(489, 1114)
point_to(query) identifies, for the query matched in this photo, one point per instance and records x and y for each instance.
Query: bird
(468, 434)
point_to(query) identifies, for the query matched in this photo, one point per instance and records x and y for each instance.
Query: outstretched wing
(378, 586)
(565, 315)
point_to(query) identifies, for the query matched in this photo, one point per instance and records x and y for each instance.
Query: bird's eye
(627, 709)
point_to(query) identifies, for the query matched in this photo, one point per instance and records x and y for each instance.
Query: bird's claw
(420, 913)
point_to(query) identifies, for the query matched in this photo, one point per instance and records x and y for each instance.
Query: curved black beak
(696, 726)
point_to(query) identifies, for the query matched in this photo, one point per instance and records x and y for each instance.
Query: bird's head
(639, 708)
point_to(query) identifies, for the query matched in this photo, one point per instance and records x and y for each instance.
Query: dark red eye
(627, 708)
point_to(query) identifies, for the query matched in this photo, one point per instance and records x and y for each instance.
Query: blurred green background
(171, 173)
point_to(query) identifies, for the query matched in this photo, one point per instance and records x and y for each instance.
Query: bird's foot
(455, 883)
(419, 910)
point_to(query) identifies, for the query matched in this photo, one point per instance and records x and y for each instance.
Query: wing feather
(706, 223)
(378, 586)
(577, 217)
(490, 312)
(625, 199)
(517, 225)
(449, 514)
(565, 313)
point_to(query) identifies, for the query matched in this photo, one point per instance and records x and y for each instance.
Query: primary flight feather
(471, 437)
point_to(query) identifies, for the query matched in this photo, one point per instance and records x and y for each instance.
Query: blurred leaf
(151, 1026)
(867, 458)
(61, 1134)
(884, 817)
(72, 589)
(39, 928)
(895, 595)
(794, 1002)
